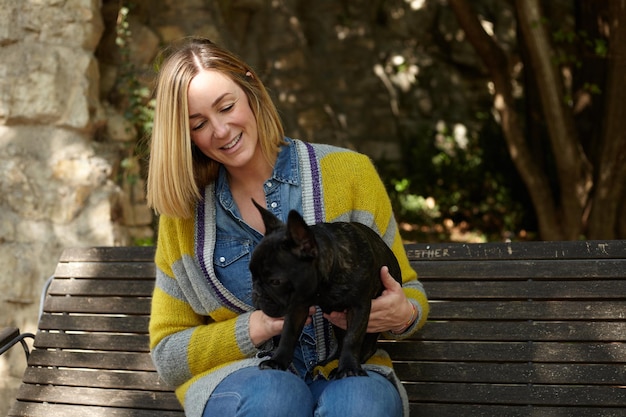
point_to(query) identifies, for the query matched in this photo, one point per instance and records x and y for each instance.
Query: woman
(218, 143)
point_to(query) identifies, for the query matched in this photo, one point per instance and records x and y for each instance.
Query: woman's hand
(390, 311)
(264, 327)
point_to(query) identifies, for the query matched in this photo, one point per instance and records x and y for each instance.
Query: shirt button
(268, 184)
(274, 204)
(222, 259)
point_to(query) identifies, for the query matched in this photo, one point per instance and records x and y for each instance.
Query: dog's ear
(270, 221)
(302, 235)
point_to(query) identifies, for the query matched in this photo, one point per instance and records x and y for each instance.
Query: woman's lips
(231, 144)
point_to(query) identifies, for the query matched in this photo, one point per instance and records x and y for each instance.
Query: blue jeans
(269, 393)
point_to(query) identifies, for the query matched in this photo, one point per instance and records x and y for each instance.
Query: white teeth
(233, 143)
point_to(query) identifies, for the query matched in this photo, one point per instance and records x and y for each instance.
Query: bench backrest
(91, 355)
(519, 329)
(515, 329)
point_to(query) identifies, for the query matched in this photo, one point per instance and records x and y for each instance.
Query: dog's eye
(274, 282)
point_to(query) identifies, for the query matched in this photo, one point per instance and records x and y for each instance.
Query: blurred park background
(488, 120)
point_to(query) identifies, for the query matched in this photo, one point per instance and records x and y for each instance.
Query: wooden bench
(516, 329)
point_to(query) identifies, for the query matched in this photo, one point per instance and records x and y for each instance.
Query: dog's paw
(340, 373)
(272, 364)
(265, 354)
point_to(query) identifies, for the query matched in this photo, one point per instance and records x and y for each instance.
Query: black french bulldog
(335, 266)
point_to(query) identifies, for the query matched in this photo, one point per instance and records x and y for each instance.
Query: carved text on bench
(427, 253)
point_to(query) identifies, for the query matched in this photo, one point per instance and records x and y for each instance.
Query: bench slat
(522, 394)
(517, 250)
(126, 398)
(104, 305)
(93, 341)
(456, 410)
(108, 254)
(527, 310)
(515, 290)
(522, 269)
(53, 410)
(141, 380)
(102, 287)
(130, 361)
(574, 352)
(111, 270)
(129, 324)
(524, 331)
(512, 373)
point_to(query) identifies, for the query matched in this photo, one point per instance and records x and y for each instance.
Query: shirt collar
(285, 170)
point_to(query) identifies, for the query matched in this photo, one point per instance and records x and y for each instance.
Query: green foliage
(597, 46)
(146, 241)
(135, 98)
(139, 105)
(451, 176)
(570, 48)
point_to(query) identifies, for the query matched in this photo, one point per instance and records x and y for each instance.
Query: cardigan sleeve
(183, 342)
(353, 191)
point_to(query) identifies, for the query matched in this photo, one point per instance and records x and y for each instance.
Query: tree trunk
(496, 62)
(610, 186)
(574, 171)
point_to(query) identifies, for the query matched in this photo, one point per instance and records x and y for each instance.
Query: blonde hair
(178, 171)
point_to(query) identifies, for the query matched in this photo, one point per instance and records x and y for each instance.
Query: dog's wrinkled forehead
(271, 242)
(270, 253)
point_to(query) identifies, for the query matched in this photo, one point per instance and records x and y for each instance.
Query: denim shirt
(235, 239)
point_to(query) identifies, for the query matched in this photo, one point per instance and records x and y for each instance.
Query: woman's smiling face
(221, 121)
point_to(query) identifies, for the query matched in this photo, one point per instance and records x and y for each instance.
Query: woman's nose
(220, 128)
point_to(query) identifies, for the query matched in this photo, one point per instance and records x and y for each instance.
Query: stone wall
(56, 181)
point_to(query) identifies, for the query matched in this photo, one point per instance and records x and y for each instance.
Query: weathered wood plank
(529, 310)
(520, 394)
(117, 398)
(64, 410)
(525, 290)
(518, 250)
(93, 341)
(130, 361)
(433, 409)
(103, 378)
(110, 270)
(108, 254)
(512, 373)
(572, 269)
(499, 351)
(95, 305)
(573, 331)
(93, 323)
(102, 287)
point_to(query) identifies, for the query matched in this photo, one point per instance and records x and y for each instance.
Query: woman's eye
(198, 126)
(227, 108)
